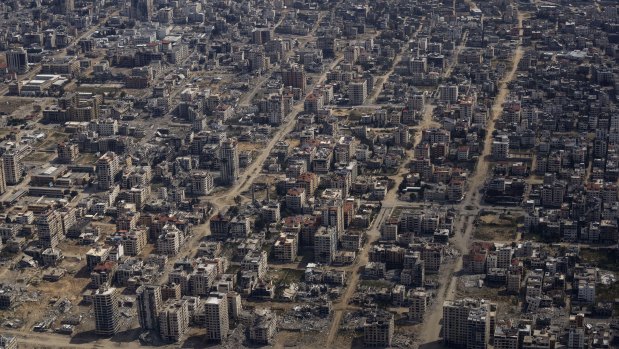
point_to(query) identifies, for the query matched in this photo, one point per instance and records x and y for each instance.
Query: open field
(603, 259)
(496, 227)
(11, 104)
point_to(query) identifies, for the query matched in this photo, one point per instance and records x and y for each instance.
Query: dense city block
(309, 174)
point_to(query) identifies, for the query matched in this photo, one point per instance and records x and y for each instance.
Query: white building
(586, 291)
(201, 183)
(500, 148)
(217, 323)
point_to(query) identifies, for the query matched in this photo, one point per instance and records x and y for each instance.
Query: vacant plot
(87, 159)
(497, 227)
(293, 143)
(304, 339)
(287, 276)
(10, 104)
(607, 259)
(608, 293)
(340, 113)
(249, 146)
(39, 157)
(52, 140)
(375, 283)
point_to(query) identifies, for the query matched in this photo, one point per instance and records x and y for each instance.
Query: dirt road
(430, 330)
(349, 291)
(479, 177)
(63, 52)
(35, 340)
(381, 80)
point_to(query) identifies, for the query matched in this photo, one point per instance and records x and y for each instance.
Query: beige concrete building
(419, 304)
(466, 323)
(229, 167)
(49, 227)
(295, 76)
(255, 261)
(108, 166)
(217, 325)
(149, 303)
(295, 200)
(12, 167)
(378, 330)
(174, 320)
(2, 179)
(107, 314)
(506, 337)
(134, 241)
(325, 245)
(285, 248)
(263, 327)
(67, 153)
(357, 91)
(201, 183)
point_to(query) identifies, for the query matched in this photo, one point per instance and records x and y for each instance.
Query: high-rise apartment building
(295, 76)
(174, 320)
(378, 330)
(108, 166)
(357, 91)
(216, 311)
(263, 327)
(17, 60)
(2, 179)
(149, 303)
(449, 93)
(105, 303)
(478, 324)
(201, 183)
(256, 261)
(229, 167)
(351, 54)
(402, 135)
(576, 332)
(285, 248)
(325, 245)
(12, 166)
(466, 323)
(49, 227)
(141, 10)
(333, 216)
(504, 257)
(500, 147)
(67, 153)
(261, 36)
(419, 304)
(418, 65)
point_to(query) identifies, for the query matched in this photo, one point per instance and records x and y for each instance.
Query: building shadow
(85, 337)
(199, 341)
(127, 335)
(432, 345)
(357, 342)
(307, 255)
(83, 273)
